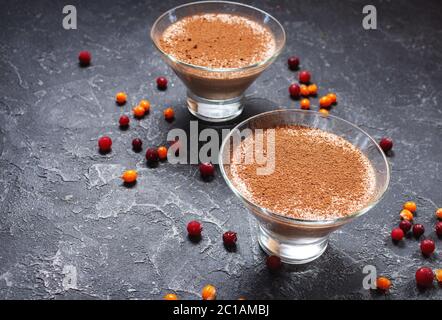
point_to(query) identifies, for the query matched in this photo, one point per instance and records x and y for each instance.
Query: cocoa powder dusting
(218, 41)
(318, 175)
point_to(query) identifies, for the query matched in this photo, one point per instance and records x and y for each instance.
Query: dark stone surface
(69, 229)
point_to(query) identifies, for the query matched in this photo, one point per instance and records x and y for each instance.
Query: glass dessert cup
(298, 241)
(216, 95)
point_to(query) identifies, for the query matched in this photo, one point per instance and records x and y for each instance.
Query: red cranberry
(229, 238)
(105, 144)
(85, 58)
(194, 228)
(273, 262)
(162, 83)
(304, 77)
(137, 145)
(294, 90)
(439, 228)
(424, 277)
(152, 155)
(405, 225)
(293, 62)
(397, 234)
(427, 247)
(418, 230)
(207, 169)
(386, 144)
(124, 121)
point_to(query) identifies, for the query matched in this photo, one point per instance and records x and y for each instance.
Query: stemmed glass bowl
(298, 241)
(217, 94)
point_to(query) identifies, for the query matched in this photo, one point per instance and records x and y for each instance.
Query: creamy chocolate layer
(318, 175)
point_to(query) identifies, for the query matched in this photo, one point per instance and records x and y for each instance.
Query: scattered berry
(170, 296)
(124, 121)
(229, 238)
(333, 98)
(405, 225)
(305, 104)
(121, 98)
(169, 114)
(129, 176)
(325, 102)
(397, 234)
(194, 228)
(312, 89)
(208, 292)
(439, 213)
(304, 77)
(406, 215)
(152, 155)
(386, 144)
(438, 228)
(207, 169)
(162, 153)
(304, 90)
(138, 112)
(418, 230)
(438, 274)
(427, 247)
(324, 112)
(424, 277)
(383, 284)
(84, 57)
(137, 144)
(162, 83)
(145, 104)
(294, 90)
(293, 63)
(273, 263)
(410, 206)
(105, 144)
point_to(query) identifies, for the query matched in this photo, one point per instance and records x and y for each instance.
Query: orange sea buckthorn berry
(170, 296)
(332, 97)
(169, 114)
(324, 112)
(208, 292)
(145, 104)
(304, 90)
(129, 176)
(305, 104)
(138, 112)
(439, 213)
(312, 89)
(325, 102)
(410, 206)
(406, 215)
(383, 283)
(121, 98)
(438, 275)
(162, 153)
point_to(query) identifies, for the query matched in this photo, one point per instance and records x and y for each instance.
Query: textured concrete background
(69, 229)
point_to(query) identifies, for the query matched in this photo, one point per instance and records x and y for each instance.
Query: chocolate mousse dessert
(207, 50)
(218, 41)
(317, 175)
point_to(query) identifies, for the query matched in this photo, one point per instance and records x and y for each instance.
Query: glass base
(214, 110)
(291, 251)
